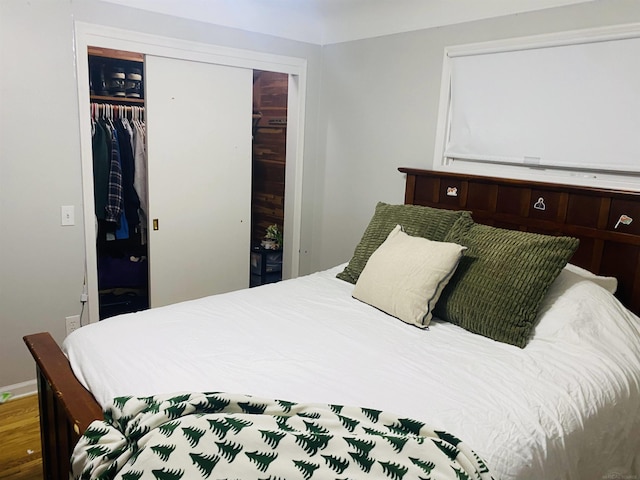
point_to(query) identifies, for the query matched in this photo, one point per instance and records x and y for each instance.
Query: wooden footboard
(66, 407)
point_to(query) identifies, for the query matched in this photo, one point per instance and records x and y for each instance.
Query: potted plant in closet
(272, 238)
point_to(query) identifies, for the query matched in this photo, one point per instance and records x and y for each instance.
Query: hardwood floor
(20, 453)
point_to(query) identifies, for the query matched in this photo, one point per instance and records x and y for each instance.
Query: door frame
(87, 34)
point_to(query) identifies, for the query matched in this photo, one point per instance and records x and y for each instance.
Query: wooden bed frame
(594, 215)
(66, 407)
(608, 246)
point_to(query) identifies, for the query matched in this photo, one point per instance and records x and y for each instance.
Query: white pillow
(570, 276)
(405, 276)
(608, 283)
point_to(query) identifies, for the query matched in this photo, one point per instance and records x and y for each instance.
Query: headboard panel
(606, 221)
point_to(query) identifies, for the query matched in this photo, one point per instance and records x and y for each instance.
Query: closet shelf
(118, 100)
(267, 161)
(115, 54)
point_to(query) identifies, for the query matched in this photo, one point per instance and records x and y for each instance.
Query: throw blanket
(224, 436)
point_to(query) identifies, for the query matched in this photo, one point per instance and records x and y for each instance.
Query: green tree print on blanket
(135, 475)
(336, 463)
(167, 429)
(217, 435)
(205, 463)
(220, 427)
(93, 435)
(262, 460)
(272, 438)
(168, 474)
(394, 470)
(306, 468)
(229, 450)
(163, 451)
(193, 435)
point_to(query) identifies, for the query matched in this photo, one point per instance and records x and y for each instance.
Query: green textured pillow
(417, 221)
(501, 280)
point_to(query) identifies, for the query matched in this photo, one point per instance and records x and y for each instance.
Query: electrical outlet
(73, 323)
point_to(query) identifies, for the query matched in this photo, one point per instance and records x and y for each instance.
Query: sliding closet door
(199, 170)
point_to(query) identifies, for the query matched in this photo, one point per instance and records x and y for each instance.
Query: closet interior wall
(119, 179)
(270, 95)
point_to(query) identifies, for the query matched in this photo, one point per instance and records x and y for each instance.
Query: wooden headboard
(599, 217)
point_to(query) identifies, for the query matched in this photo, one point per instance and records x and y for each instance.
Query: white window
(568, 102)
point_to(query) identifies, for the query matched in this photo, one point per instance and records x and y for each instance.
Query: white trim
(572, 37)
(293, 197)
(22, 389)
(108, 37)
(558, 174)
(555, 175)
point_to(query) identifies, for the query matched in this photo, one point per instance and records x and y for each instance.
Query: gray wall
(42, 263)
(371, 107)
(379, 110)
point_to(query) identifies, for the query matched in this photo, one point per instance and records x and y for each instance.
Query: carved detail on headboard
(601, 218)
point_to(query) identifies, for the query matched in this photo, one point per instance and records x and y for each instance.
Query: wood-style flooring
(20, 452)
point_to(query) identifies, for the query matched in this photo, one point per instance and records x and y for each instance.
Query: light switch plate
(67, 215)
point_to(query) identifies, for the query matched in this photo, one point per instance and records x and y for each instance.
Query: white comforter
(565, 407)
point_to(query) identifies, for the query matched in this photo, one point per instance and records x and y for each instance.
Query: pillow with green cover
(501, 280)
(417, 221)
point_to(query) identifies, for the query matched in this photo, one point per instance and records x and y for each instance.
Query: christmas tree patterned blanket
(225, 436)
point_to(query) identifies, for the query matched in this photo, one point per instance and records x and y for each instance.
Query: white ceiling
(332, 21)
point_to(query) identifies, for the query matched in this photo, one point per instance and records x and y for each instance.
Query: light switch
(67, 215)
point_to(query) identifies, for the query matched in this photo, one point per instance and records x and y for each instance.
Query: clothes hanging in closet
(119, 164)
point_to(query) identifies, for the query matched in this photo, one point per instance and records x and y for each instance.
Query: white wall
(379, 110)
(41, 262)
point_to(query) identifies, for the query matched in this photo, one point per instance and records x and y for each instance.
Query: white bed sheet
(565, 407)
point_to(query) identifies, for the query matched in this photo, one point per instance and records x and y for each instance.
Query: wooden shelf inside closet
(118, 100)
(117, 54)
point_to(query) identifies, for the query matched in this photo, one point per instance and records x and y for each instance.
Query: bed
(559, 400)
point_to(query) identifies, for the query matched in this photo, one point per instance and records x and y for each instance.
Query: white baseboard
(21, 389)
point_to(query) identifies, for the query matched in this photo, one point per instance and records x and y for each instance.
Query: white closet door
(199, 170)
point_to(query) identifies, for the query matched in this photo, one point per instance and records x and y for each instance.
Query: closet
(119, 179)
(188, 221)
(197, 101)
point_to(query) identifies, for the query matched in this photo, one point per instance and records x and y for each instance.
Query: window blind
(573, 106)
